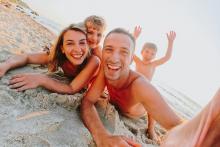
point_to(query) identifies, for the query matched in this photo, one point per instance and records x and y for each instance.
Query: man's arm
(21, 60)
(154, 103)
(171, 37)
(89, 114)
(92, 121)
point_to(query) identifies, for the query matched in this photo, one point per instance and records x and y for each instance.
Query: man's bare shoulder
(137, 78)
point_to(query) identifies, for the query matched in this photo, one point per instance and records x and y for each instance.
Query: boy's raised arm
(136, 34)
(171, 37)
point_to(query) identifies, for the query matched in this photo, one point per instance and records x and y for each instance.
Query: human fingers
(25, 87)
(17, 85)
(131, 142)
(14, 80)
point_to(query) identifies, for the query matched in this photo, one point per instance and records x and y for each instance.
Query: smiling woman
(71, 53)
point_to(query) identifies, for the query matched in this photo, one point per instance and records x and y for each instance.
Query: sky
(194, 68)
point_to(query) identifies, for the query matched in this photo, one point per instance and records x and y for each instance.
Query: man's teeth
(113, 67)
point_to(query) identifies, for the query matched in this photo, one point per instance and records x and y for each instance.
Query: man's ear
(132, 58)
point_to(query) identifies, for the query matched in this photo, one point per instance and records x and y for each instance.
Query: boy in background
(147, 67)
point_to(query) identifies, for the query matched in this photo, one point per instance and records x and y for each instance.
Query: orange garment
(68, 69)
(121, 97)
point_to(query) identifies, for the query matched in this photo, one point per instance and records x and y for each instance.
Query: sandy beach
(38, 117)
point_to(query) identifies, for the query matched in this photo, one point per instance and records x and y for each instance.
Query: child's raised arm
(171, 37)
(136, 34)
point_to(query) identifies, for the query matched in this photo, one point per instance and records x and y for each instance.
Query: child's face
(75, 46)
(94, 36)
(148, 54)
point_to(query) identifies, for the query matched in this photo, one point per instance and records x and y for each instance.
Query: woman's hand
(26, 81)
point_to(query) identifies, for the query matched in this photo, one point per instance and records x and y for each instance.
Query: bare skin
(147, 67)
(127, 90)
(74, 47)
(94, 36)
(202, 131)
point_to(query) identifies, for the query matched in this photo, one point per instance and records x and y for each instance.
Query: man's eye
(124, 52)
(82, 43)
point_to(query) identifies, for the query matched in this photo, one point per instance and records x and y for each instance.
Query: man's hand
(137, 32)
(171, 37)
(116, 141)
(23, 82)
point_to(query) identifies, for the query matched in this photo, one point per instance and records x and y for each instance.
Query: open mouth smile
(113, 67)
(77, 56)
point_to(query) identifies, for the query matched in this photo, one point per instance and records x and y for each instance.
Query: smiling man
(128, 90)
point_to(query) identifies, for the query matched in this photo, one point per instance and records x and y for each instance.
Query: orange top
(70, 70)
(121, 97)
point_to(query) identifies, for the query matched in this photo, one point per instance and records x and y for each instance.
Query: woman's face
(75, 46)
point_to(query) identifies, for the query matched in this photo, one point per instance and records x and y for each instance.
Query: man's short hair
(125, 32)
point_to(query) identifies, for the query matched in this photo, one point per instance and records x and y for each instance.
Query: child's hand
(23, 82)
(137, 32)
(171, 36)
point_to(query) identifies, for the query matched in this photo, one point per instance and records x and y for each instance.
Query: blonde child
(95, 27)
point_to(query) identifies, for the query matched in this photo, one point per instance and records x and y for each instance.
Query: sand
(35, 118)
(38, 117)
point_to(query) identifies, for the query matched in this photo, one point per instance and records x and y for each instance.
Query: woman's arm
(21, 60)
(85, 76)
(80, 81)
(23, 82)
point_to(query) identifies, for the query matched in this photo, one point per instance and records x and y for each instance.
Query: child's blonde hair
(96, 21)
(150, 46)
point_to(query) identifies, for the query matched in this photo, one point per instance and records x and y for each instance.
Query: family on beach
(100, 68)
